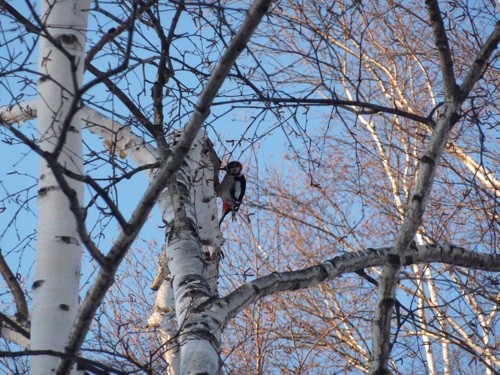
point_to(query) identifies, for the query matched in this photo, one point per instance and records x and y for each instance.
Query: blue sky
(20, 167)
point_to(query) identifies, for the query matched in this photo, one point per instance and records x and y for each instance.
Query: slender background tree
(367, 242)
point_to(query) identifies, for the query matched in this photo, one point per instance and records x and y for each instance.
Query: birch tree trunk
(189, 316)
(189, 212)
(454, 98)
(58, 255)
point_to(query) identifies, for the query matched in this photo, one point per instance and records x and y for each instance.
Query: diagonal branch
(441, 40)
(13, 331)
(413, 216)
(70, 193)
(22, 313)
(480, 63)
(224, 309)
(202, 109)
(116, 136)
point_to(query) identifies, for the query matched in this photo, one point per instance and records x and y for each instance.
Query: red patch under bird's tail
(226, 208)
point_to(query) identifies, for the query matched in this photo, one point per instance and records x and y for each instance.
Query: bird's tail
(226, 208)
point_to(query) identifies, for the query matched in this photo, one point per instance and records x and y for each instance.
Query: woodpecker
(232, 189)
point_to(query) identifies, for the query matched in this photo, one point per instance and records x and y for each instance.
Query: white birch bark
(198, 352)
(18, 113)
(11, 335)
(58, 255)
(189, 282)
(199, 335)
(224, 308)
(431, 366)
(204, 166)
(164, 321)
(441, 318)
(117, 137)
(198, 177)
(454, 97)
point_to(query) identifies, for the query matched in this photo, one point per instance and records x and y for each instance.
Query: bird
(232, 189)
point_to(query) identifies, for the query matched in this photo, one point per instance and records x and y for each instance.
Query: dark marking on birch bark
(416, 197)
(394, 260)
(454, 118)
(37, 284)
(387, 303)
(427, 159)
(64, 307)
(44, 191)
(203, 332)
(68, 240)
(323, 273)
(295, 285)
(68, 39)
(408, 260)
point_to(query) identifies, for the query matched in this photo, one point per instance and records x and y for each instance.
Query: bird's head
(233, 167)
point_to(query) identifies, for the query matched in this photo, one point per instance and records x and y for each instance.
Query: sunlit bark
(373, 160)
(57, 272)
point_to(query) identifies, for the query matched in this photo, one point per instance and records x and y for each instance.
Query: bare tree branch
(481, 61)
(441, 40)
(74, 203)
(83, 363)
(12, 330)
(122, 244)
(11, 280)
(227, 307)
(424, 181)
(356, 106)
(354, 94)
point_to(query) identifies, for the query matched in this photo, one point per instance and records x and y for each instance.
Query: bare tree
(360, 179)
(388, 111)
